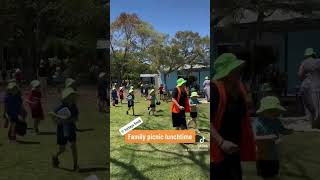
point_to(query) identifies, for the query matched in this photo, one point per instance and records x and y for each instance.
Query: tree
(130, 38)
(193, 48)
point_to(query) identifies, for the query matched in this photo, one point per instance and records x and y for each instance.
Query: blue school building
(197, 72)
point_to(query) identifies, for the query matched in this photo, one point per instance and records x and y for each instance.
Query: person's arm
(301, 72)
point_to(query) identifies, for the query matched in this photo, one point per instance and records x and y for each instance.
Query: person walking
(309, 74)
(180, 105)
(206, 85)
(232, 138)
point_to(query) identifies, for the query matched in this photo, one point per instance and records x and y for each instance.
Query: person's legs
(133, 110)
(12, 131)
(74, 151)
(55, 157)
(36, 125)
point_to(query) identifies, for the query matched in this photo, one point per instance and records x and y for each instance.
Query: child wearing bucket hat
(194, 105)
(153, 100)
(130, 98)
(114, 96)
(70, 83)
(268, 129)
(121, 92)
(14, 110)
(34, 101)
(65, 116)
(180, 105)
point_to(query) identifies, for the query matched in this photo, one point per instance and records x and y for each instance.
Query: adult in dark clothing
(180, 105)
(232, 139)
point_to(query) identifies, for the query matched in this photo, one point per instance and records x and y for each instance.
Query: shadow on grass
(85, 130)
(205, 130)
(197, 158)
(47, 133)
(136, 174)
(27, 142)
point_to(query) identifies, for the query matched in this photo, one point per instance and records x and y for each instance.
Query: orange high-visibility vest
(175, 108)
(247, 143)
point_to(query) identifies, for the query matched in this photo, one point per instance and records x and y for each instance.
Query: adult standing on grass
(309, 73)
(206, 85)
(180, 105)
(232, 138)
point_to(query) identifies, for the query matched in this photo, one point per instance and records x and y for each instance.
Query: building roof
(148, 75)
(249, 17)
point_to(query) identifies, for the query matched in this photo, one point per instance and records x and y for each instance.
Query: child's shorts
(267, 168)
(194, 114)
(152, 106)
(179, 119)
(66, 133)
(130, 104)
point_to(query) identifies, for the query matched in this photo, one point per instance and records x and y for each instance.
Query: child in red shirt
(34, 101)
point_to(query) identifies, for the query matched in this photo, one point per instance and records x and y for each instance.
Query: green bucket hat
(206, 78)
(194, 94)
(266, 87)
(34, 83)
(67, 92)
(181, 81)
(224, 64)
(69, 82)
(131, 90)
(270, 102)
(12, 85)
(309, 52)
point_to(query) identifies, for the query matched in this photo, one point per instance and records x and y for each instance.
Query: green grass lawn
(156, 161)
(32, 159)
(300, 158)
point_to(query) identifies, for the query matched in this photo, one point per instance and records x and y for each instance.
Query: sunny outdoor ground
(31, 159)
(157, 161)
(300, 156)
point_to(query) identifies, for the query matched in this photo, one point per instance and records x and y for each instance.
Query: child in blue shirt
(114, 96)
(153, 101)
(130, 99)
(66, 127)
(194, 105)
(268, 130)
(14, 109)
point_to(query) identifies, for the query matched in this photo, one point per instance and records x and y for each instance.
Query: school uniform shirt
(264, 127)
(68, 129)
(194, 102)
(153, 100)
(114, 94)
(13, 105)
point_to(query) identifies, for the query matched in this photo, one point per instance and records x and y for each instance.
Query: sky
(167, 16)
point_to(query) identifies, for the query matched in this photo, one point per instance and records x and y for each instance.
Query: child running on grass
(268, 129)
(194, 105)
(121, 94)
(114, 95)
(130, 99)
(65, 116)
(34, 101)
(14, 109)
(161, 92)
(153, 101)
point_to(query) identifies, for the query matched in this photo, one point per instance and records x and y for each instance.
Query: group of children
(64, 116)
